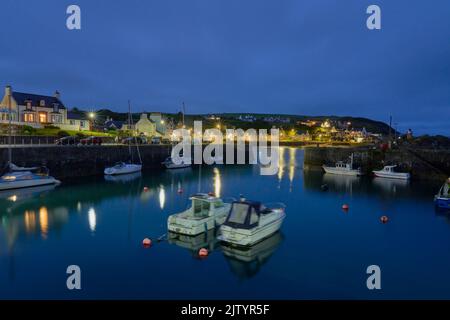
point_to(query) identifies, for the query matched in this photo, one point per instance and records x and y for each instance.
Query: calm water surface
(321, 251)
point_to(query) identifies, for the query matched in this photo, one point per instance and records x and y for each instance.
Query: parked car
(69, 140)
(156, 140)
(91, 141)
(133, 140)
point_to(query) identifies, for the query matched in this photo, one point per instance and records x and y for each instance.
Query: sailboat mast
(131, 130)
(130, 121)
(9, 130)
(184, 110)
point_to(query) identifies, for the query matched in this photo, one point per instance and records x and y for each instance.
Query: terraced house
(37, 111)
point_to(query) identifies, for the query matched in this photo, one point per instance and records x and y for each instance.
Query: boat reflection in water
(123, 178)
(245, 262)
(391, 186)
(20, 197)
(341, 183)
(206, 240)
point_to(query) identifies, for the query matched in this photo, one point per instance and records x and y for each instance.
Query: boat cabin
(203, 205)
(389, 169)
(245, 214)
(342, 165)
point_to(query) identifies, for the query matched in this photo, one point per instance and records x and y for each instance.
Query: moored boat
(442, 199)
(123, 168)
(250, 222)
(390, 172)
(205, 213)
(25, 179)
(169, 164)
(343, 168)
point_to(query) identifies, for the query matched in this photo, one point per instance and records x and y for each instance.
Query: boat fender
(203, 252)
(384, 219)
(145, 189)
(146, 242)
(345, 207)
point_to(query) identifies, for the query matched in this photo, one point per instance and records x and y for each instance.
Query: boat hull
(249, 237)
(123, 170)
(343, 172)
(192, 227)
(20, 184)
(392, 175)
(442, 202)
(176, 166)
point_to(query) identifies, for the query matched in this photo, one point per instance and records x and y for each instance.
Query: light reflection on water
(319, 252)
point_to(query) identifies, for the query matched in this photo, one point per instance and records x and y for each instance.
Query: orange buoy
(203, 252)
(345, 207)
(145, 189)
(147, 242)
(384, 219)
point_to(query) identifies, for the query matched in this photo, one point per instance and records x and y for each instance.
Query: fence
(28, 140)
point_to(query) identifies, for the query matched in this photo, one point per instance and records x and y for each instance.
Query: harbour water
(321, 251)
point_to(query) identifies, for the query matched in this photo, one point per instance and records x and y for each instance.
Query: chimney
(8, 90)
(57, 95)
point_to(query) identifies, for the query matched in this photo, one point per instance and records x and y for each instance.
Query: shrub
(49, 126)
(62, 133)
(80, 135)
(28, 130)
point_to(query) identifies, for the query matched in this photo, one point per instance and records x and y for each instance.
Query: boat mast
(135, 138)
(9, 130)
(184, 110)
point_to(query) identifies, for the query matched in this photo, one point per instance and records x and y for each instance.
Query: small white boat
(343, 168)
(25, 179)
(250, 222)
(389, 172)
(171, 165)
(123, 168)
(206, 212)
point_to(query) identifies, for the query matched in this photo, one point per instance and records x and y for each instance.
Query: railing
(28, 140)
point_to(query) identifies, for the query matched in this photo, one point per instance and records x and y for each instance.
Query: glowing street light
(91, 115)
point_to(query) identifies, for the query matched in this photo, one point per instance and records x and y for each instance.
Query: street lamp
(91, 115)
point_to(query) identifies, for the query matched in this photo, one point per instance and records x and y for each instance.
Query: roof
(75, 116)
(21, 99)
(115, 123)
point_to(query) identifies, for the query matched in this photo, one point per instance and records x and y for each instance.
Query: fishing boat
(343, 168)
(442, 199)
(391, 173)
(21, 177)
(250, 222)
(122, 167)
(170, 164)
(205, 213)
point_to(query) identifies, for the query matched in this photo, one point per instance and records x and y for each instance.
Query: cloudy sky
(308, 57)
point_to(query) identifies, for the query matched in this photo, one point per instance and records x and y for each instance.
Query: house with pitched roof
(37, 110)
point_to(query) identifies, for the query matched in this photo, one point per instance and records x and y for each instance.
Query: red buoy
(203, 252)
(146, 242)
(145, 189)
(345, 207)
(384, 219)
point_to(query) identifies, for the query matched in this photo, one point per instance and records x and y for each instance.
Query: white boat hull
(19, 184)
(176, 223)
(172, 165)
(392, 175)
(344, 172)
(127, 169)
(248, 237)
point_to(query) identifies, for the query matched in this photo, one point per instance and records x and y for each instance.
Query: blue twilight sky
(309, 57)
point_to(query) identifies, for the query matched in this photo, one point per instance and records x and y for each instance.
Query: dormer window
(55, 107)
(42, 103)
(28, 104)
